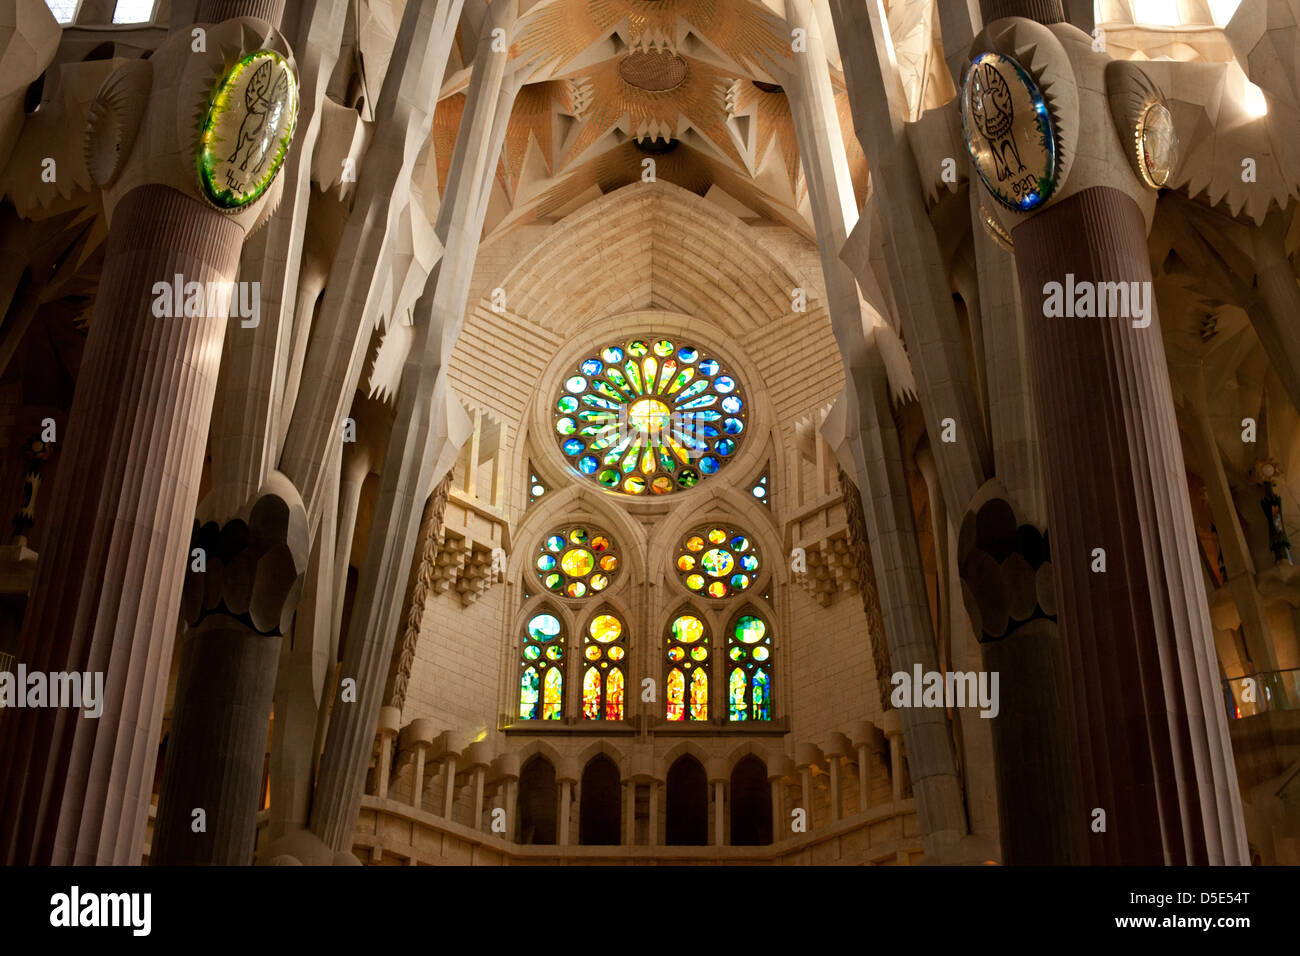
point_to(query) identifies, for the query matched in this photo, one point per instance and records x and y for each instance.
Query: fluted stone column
(1147, 720)
(107, 587)
(107, 590)
(239, 605)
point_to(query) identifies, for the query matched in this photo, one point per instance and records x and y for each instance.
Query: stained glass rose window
(649, 417)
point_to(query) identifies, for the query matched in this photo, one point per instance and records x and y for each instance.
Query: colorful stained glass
(614, 695)
(529, 697)
(602, 684)
(541, 681)
(573, 551)
(591, 694)
(736, 687)
(717, 562)
(552, 694)
(750, 629)
(700, 695)
(727, 550)
(688, 629)
(605, 628)
(749, 683)
(578, 562)
(676, 695)
(761, 709)
(636, 419)
(543, 627)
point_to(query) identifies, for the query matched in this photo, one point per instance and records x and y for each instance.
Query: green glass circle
(750, 629)
(247, 130)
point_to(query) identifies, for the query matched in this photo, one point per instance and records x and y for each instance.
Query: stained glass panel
(614, 695)
(552, 694)
(749, 646)
(717, 561)
(541, 682)
(602, 686)
(676, 695)
(699, 695)
(737, 686)
(528, 694)
(648, 419)
(577, 562)
(591, 694)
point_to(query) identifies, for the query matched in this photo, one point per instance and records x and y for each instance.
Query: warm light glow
(1162, 13)
(133, 11)
(65, 11)
(1253, 100)
(1222, 10)
(650, 415)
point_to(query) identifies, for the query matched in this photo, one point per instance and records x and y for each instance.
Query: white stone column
(425, 436)
(873, 437)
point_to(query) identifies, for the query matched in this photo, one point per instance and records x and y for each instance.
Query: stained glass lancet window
(576, 561)
(649, 416)
(687, 681)
(603, 681)
(541, 682)
(749, 658)
(717, 560)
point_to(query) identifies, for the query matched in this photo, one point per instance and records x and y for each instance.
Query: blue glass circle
(573, 445)
(725, 447)
(687, 354)
(732, 404)
(733, 426)
(709, 465)
(710, 366)
(724, 384)
(612, 354)
(588, 464)
(591, 367)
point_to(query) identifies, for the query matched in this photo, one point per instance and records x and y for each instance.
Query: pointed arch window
(749, 663)
(604, 677)
(687, 668)
(541, 681)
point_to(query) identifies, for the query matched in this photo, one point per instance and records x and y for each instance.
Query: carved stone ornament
(247, 130)
(113, 119)
(1142, 119)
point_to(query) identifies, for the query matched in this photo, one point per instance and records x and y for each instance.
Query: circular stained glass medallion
(648, 416)
(1009, 132)
(247, 130)
(717, 561)
(576, 561)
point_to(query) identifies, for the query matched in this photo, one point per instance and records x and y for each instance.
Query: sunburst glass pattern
(650, 417)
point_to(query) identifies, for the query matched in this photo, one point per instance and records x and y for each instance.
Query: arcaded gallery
(651, 432)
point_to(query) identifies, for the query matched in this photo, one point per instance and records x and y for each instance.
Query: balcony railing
(1260, 693)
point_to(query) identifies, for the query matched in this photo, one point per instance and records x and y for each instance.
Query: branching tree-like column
(424, 441)
(874, 440)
